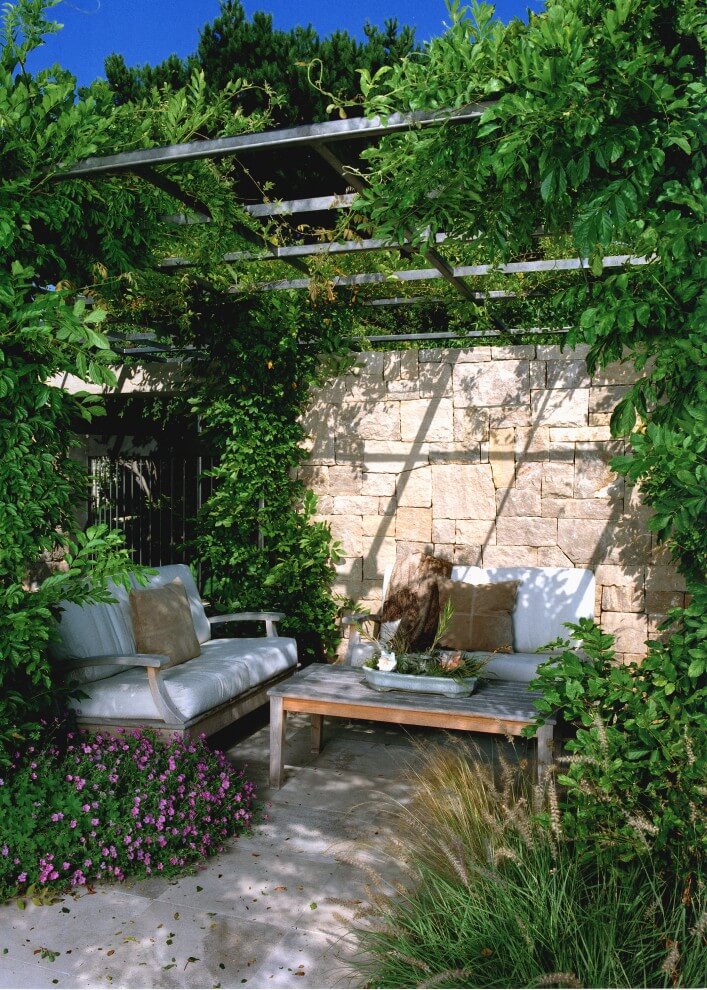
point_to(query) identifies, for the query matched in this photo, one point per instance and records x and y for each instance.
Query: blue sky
(150, 30)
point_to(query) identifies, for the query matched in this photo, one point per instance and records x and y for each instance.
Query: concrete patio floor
(268, 911)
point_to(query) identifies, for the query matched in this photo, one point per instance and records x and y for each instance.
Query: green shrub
(88, 808)
(634, 779)
(497, 897)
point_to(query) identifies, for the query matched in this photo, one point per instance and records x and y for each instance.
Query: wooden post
(317, 727)
(544, 740)
(278, 724)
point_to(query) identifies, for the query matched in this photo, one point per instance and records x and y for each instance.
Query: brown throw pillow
(415, 597)
(163, 623)
(483, 616)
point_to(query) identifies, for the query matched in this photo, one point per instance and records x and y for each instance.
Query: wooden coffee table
(500, 707)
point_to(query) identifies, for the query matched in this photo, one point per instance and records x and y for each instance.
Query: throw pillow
(415, 598)
(163, 622)
(483, 616)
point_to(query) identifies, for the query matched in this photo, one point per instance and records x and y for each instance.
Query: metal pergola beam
(461, 271)
(288, 207)
(283, 138)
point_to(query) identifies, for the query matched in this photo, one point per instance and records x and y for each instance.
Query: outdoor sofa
(547, 598)
(120, 687)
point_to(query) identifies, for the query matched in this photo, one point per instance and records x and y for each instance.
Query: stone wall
(497, 456)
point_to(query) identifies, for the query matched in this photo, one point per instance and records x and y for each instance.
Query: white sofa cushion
(167, 574)
(94, 631)
(225, 669)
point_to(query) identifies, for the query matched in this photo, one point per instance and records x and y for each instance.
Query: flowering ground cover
(86, 808)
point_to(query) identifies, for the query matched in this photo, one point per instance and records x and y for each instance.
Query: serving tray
(391, 680)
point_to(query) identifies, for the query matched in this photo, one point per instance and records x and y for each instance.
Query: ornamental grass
(86, 808)
(495, 895)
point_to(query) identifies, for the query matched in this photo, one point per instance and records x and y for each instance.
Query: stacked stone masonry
(496, 456)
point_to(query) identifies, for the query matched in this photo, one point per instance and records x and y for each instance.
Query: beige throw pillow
(483, 616)
(163, 623)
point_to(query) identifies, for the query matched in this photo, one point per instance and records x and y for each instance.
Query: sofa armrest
(269, 618)
(358, 617)
(120, 660)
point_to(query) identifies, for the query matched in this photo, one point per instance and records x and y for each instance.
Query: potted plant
(394, 667)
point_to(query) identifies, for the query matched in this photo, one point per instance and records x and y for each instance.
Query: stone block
(408, 365)
(387, 505)
(622, 598)
(584, 540)
(619, 576)
(402, 389)
(599, 418)
(472, 355)
(314, 476)
(526, 531)
(581, 508)
(513, 416)
(529, 475)
(538, 374)
(510, 556)
(371, 421)
(532, 443)
(355, 505)
(605, 398)
(392, 457)
(501, 383)
(377, 555)
(325, 504)
(349, 570)
(348, 530)
(468, 556)
(658, 601)
(345, 480)
(454, 453)
(319, 450)
(470, 425)
(463, 491)
(435, 381)
(391, 365)
(414, 488)
(378, 484)
(518, 502)
(379, 525)
(501, 457)
(661, 577)
(414, 525)
(567, 374)
(558, 479)
(475, 532)
(560, 406)
(426, 420)
(593, 476)
(443, 530)
(513, 352)
(359, 388)
(552, 557)
(629, 628)
(371, 363)
(617, 373)
(579, 434)
(437, 355)
(445, 551)
(553, 352)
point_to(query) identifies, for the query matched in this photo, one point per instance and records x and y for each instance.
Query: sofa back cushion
(546, 599)
(163, 623)
(95, 630)
(168, 573)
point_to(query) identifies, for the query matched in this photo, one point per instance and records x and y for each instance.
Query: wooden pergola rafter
(322, 138)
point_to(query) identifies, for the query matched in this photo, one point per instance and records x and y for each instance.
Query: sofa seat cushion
(519, 667)
(225, 669)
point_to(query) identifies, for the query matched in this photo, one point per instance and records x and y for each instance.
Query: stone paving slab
(271, 910)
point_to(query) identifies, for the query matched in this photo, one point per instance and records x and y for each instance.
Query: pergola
(338, 144)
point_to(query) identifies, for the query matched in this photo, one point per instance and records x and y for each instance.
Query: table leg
(278, 724)
(544, 741)
(317, 727)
